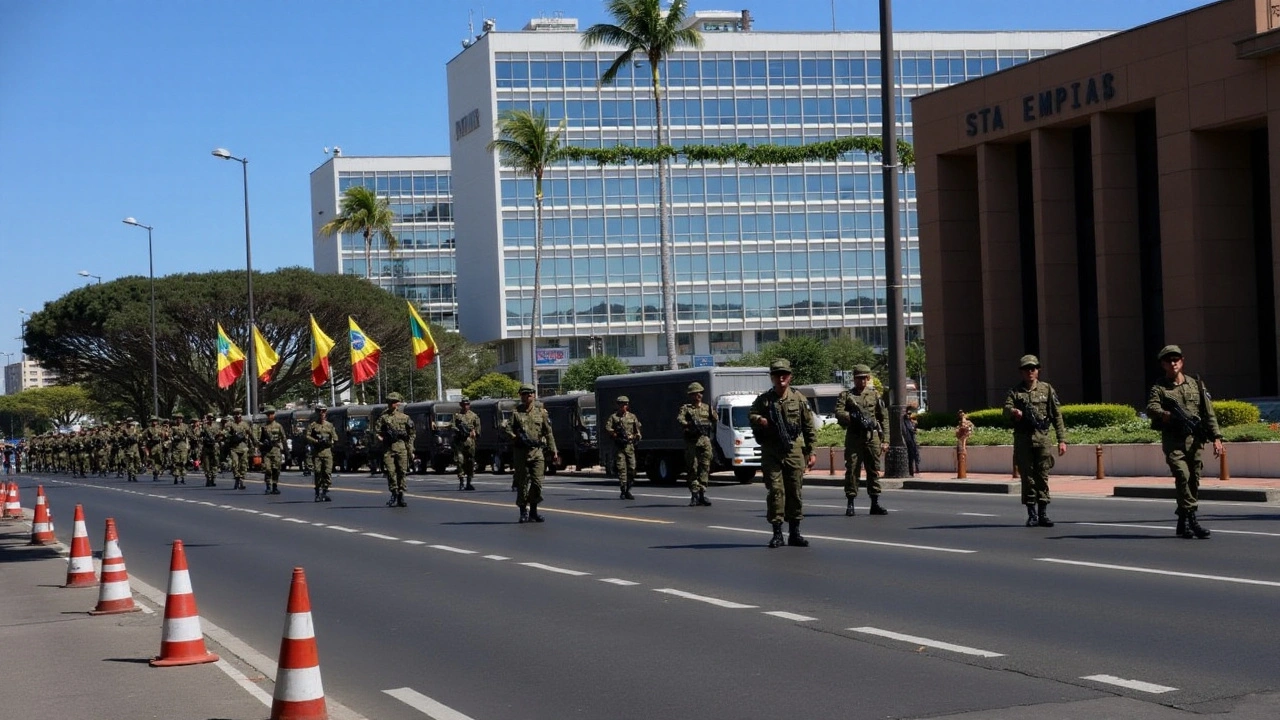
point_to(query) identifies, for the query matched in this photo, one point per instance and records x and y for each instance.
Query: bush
(989, 418)
(936, 419)
(1097, 416)
(1235, 412)
(1252, 432)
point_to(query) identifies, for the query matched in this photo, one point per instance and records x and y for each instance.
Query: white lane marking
(380, 536)
(703, 598)
(251, 511)
(554, 569)
(339, 528)
(853, 540)
(1153, 571)
(496, 557)
(449, 548)
(318, 525)
(416, 542)
(425, 705)
(263, 696)
(980, 514)
(926, 642)
(790, 616)
(1170, 527)
(227, 507)
(270, 515)
(1131, 684)
(295, 520)
(618, 581)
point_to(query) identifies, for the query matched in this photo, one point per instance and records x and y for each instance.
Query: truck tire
(664, 469)
(439, 464)
(744, 475)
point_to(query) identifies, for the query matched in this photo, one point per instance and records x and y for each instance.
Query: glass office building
(760, 252)
(422, 267)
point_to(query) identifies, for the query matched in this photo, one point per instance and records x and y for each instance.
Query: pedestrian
(529, 429)
(699, 423)
(860, 411)
(783, 425)
(395, 430)
(466, 431)
(271, 437)
(321, 436)
(624, 428)
(1181, 409)
(909, 437)
(964, 431)
(1033, 406)
(180, 437)
(238, 434)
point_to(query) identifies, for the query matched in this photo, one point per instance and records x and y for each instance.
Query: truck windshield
(358, 424)
(741, 419)
(589, 417)
(444, 420)
(826, 404)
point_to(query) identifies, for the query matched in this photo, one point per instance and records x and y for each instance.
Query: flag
(424, 346)
(364, 353)
(321, 344)
(264, 356)
(230, 360)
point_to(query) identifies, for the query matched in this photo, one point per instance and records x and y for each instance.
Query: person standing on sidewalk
(699, 423)
(624, 427)
(1181, 409)
(783, 425)
(1034, 408)
(466, 429)
(909, 437)
(860, 411)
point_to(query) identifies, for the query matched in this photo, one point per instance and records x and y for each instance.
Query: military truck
(433, 438)
(822, 400)
(573, 423)
(656, 398)
(352, 423)
(493, 447)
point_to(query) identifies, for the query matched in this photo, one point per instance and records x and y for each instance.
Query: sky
(111, 110)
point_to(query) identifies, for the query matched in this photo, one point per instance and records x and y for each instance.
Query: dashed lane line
(1170, 527)
(379, 536)
(1138, 685)
(790, 616)
(1171, 573)
(906, 546)
(916, 640)
(340, 528)
(554, 569)
(980, 514)
(618, 581)
(431, 708)
(450, 548)
(496, 557)
(703, 598)
(415, 542)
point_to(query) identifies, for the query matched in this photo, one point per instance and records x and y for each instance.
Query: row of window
(699, 229)
(422, 212)
(398, 184)
(417, 239)
(728, 185)
(407, 270)
(679, 112)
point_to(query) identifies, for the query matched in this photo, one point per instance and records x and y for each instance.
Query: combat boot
(275, 488)
(1033, 519)
(324, 495)
(1044, 520)
(461, 483)
(626, 493)
(317, 496)
(794, 538)
(876, 508)
(1194, 526)
(469, 485)
(533, 513)
(848, 508)
(392, 501)
(693, 499)
(777, 541)
(267, 490)
(524, 514)
(702, 498)
(400, 500)
(1182, 531)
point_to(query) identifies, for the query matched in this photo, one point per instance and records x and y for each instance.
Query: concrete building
(25, 375)
(422, 268)
(760, 253)
(1095, 205)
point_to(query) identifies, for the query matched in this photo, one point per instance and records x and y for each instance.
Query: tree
(916, 360)
(641, 26)
(363, 212)
(526, 144)
(582, 374)
(847, 351)
(494, 385)
(63, 405)
(810, 358)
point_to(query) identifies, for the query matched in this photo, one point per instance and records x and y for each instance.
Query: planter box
(1250, 460)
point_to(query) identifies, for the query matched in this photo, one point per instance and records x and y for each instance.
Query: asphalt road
(649, 608)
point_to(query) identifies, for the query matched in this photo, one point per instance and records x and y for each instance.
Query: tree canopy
(582, 374)
(493, 385)
(813, 360)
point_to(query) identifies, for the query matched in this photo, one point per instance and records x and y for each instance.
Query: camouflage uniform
(1031, 447)
(132, 455)
(699, 423)
(862, 415)
(321, 436)
(466, 429)
(624, 427)
(530, 431)
(1180, 443)
(271, 437)
(395, 430)
(783, 462)
(237, 435)
(180, 437)
(210, 438)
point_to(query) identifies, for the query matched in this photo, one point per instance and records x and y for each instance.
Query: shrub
(1097, 416)
(935, 419)
(989, 418)
(1252, 432)
(1235, 412)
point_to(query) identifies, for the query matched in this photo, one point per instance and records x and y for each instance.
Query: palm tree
(363, 212)
(528, 145)
(642, 27)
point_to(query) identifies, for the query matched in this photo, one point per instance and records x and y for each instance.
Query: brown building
(1096, 204)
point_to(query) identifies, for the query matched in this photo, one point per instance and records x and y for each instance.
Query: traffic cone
(42, 525)
(114, 595)
(12, 508)
(299, 694)
(80, 569)
(181, 641)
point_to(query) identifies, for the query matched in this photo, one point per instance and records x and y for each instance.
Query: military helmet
(1168, 350)
(208, 416)
(780, 366)
(693, 388)
(861, 371)
(464, 401)
(178, 415)
(237, 412)
(623, 399)
(321, 407)
(394, 397)
(269, 409)
(1027, 361)
(155, 418)
(527, 389)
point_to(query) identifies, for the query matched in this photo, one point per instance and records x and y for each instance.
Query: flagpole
(439, 380)
(333, 392)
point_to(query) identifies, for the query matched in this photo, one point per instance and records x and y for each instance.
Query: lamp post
(151, 272)
(86, 273)
(252, 379)
(8, 358)
(896, 458)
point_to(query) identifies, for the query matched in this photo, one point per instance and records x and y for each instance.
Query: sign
(704, 360)
(551, 357)
(466, 124)
(1045, 104)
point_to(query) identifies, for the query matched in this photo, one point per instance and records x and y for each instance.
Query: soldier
(396, 431)
(699, 423)
(1181, 409)
(1034, 408)
(132, 450)
(321, 436)
(530, 431)
(271, 439)
(237, 435)
(210, 438)
(783, 425)
(624, 427)
(466, 429)
(153, 441)
(860, 411)
(180, 437)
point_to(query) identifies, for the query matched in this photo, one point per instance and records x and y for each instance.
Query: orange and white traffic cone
(181, 641)
(12, 507)
(114, 595)
(42, 525)
(299, 694)
(80, 569)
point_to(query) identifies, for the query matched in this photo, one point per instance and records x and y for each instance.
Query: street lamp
(252, 380)
(896, 464)
(8, 358)
(86, 273)
(151, 272)
(23, 336)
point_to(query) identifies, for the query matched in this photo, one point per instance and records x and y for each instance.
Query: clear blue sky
(110, 109)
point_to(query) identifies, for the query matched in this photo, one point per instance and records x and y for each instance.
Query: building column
(1273, 152)
(1116, 234)
(1001, 268)
(1057, 275)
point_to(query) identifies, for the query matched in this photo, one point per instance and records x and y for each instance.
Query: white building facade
(25, 375)
(760, 252)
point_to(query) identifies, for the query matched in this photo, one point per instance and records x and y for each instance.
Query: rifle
(1030, 417)
(1193, 424)
(786, 433)
(524, 439)
(463, 431)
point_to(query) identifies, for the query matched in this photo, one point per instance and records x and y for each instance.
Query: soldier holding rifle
(1180, 408)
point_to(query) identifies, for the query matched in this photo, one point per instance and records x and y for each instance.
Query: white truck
(656, 398)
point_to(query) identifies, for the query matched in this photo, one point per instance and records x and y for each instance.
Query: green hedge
(1235, 412)
(935, 419)
(1097, 416)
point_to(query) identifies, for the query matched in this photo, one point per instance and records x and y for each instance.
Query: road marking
(853, 540)
(618, 581)
(318, 525)
(926, 642)
(1131, 684)
(1153, 571)
(496, 557)
(703, 598)
(552, 568)
(562, 511)
(270, 515)
(790, 616)
(425, 705)
(980, 514)
(263, 696)
(343, 529)
(416, 542)
(250, 510)
(380, 536)
(449, 548)
(1170, 527)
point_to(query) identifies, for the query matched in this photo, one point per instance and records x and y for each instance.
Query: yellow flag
(266, 358)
